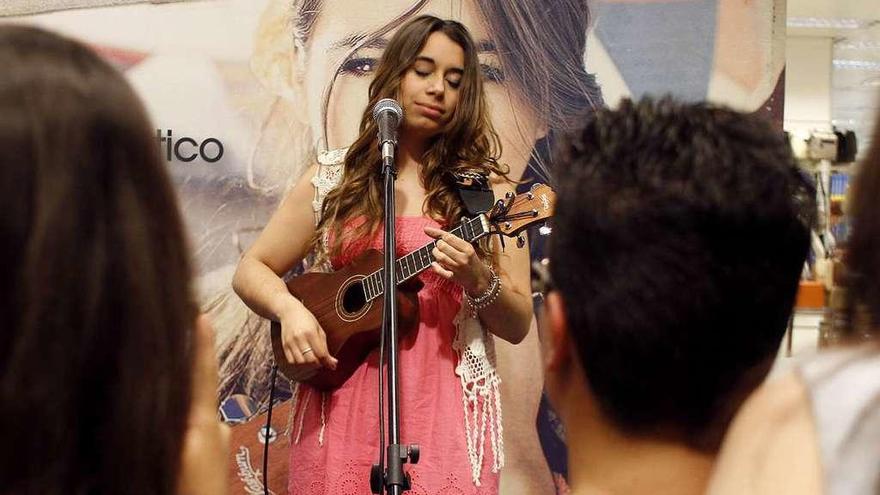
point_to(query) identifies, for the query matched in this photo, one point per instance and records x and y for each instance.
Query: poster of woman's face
(246, 94)
(270, 84)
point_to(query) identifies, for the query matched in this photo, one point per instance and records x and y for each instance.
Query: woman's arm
(510, 313)
(282, 244)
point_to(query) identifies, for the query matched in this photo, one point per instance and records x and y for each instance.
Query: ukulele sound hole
(354, 299)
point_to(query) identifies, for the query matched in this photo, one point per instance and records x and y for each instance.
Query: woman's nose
(436, 86)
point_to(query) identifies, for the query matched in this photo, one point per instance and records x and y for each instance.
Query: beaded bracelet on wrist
(493, 281)
(488, 296)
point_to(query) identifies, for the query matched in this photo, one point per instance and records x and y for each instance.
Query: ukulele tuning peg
(497, 210)
(545, 230)
(508, 195)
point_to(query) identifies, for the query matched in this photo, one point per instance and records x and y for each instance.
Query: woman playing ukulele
(449, 389)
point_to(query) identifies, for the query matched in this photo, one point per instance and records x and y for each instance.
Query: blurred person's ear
(559, 353)
(558, 357)
(205, 455)
(275, 54)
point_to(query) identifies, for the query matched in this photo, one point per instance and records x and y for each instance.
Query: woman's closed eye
(454, 81)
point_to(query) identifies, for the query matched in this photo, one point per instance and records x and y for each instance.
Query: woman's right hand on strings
(304, 342)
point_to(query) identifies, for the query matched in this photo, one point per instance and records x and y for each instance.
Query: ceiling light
(845, 64)
(826, 22)
(846, 44)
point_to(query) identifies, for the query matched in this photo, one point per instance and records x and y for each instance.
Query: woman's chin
(423, 128)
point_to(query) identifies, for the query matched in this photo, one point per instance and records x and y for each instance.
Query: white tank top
(844, 390)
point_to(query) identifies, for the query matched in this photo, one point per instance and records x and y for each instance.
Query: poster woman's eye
(359, 67)
(492, 73)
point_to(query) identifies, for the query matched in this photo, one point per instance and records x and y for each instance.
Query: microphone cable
(267, 429)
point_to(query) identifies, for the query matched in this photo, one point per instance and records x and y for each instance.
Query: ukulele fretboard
(410, 265)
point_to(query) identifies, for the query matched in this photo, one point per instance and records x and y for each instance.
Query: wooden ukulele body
(352, 323)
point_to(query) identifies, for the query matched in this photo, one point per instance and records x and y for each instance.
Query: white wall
(808, 83)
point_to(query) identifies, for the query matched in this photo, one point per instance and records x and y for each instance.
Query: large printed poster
(245, 94)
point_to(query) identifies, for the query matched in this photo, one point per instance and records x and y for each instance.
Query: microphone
(387, 114)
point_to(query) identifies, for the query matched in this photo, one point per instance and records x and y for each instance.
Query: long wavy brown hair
(467, 142)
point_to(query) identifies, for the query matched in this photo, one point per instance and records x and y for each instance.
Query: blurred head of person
(678, 241)
(863, 245)
(95, 298)
(821, 421)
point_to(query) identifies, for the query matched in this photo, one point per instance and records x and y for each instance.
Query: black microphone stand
(394, 480)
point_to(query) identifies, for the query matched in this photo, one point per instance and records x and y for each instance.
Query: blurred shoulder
(771, 446)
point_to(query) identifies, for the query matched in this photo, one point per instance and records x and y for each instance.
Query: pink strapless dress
(336, 459)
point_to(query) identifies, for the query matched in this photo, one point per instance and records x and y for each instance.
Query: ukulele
(348, 302)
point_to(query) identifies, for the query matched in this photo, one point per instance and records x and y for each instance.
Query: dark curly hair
(680, 234)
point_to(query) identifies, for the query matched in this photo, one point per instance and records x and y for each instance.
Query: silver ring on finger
(306, 351)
